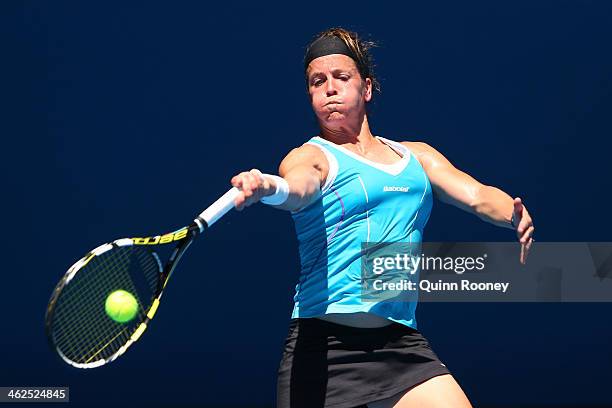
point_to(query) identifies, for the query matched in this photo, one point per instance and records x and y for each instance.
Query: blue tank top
(361, 201)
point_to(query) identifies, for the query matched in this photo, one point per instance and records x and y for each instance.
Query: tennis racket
(78, 326)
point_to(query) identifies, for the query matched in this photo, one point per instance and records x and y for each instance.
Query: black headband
(325, 46)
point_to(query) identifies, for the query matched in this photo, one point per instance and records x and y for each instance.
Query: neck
(359, 134)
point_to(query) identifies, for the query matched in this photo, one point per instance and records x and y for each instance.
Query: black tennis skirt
(331, 365)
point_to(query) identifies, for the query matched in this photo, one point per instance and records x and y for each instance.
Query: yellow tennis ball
(121, 306)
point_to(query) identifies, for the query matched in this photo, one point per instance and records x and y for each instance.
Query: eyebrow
(334, 71)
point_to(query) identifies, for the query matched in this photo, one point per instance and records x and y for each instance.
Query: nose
(331, 87)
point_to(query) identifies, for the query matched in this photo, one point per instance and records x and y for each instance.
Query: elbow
(303, 192)
(305, 189)
(313, 186)
(310, 189)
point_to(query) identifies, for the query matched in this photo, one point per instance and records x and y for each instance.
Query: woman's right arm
(304, 169)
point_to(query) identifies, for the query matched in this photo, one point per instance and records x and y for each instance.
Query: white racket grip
(217, 209)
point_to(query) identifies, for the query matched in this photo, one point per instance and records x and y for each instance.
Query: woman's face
(337, 92)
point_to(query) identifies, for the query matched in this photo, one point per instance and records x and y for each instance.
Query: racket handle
(217, 209)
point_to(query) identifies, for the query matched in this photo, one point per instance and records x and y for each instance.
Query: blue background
(128, 118)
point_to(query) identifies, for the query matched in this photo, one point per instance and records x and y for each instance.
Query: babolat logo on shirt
(402, 189)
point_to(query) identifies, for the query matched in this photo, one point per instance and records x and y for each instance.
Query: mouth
(333, 103)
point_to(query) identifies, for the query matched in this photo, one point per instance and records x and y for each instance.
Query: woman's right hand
(253, 185)
(303, 169)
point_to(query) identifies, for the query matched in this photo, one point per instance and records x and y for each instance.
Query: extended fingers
(524, 228)
(525, 248)
(522, 219)
(529, 244)
(526, 236)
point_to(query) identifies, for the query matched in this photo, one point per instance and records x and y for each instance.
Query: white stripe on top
(392, 169)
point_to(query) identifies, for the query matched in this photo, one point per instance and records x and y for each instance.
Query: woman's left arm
(491, 204)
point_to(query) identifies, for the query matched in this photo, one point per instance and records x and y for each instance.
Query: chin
(335, 117)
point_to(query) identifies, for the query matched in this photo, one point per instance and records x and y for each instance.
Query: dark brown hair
(359, 47)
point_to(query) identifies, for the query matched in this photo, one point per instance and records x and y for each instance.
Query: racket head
(77, 325)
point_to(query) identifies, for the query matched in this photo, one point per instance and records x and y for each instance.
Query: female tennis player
(344, 187)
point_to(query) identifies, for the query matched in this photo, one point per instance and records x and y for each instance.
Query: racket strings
(65, 322)
(75, 318)
(95, 337)
(94, 282)
(82, 324)
(81, 328)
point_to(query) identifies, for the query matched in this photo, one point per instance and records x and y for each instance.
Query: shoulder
(426, 154)
(308, 155)
(418, 147)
